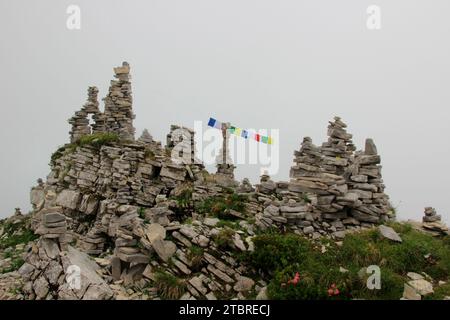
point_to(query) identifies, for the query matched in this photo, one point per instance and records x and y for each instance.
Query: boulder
(41, 288)
(409, 293)
(154, 232)
(421, 286)
(68, 199)
(164, 249)
(389, 233)
(243, 284)
(92, 286)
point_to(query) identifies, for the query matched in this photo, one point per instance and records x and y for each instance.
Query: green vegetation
(95, 140)
(58, 154)
(149, 154)
(219, 206)
(141, 213)
(281, 257)
(223, 239)
(306, 198)
(440, 292)
(169, 287)
(16, 263)
(23, 237)
(195, 256)
(16, 233)
(184, 199)
(229, 224)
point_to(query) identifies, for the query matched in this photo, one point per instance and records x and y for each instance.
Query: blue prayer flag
(211, 122)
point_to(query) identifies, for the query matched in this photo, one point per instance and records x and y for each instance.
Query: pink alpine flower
(333, 290)
(295, 280)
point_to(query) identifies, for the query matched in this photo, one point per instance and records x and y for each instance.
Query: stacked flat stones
(339, 148)
(146, 137)
(432, 222)
(80, 121)
(181, 144)
(344, 187)
(183, 164)
(308, 176)
(372, 204)
(431, 215)
(118, 104)
(118, 116)
(53, 226)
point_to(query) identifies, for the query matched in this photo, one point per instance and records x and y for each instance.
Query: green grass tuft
(218, 206)
(169, 287)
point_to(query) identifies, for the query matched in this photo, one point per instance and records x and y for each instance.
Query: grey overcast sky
(286, 64)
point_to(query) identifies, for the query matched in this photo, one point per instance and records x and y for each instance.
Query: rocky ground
(215, 258)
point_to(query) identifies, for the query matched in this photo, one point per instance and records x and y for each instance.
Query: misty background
(287, 64)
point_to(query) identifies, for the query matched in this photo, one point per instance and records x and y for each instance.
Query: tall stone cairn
(80, 121)
(118, 114)
(337, 151)
(146, 137)
(366, 181)
(308, 176)
(343, 185)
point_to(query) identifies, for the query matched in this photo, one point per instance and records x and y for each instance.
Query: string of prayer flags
(241, 132)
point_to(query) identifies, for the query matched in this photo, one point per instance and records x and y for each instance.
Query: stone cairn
(338, 149)
(80, 121)
(344, 188)
(118, 104)
(431, 215)
(53, 225)
(309, 176)
(372, 204)
(180, 147)
(431, 222)
(118, 116)
(146, 137)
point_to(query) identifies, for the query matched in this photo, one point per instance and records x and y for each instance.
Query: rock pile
(337, 151)
(366, 182)
(80, 122)
(52, 273)
(431, 215)
(432, 222)
(345, 189)
(118, 104)
(53, 225)
(118, 116)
